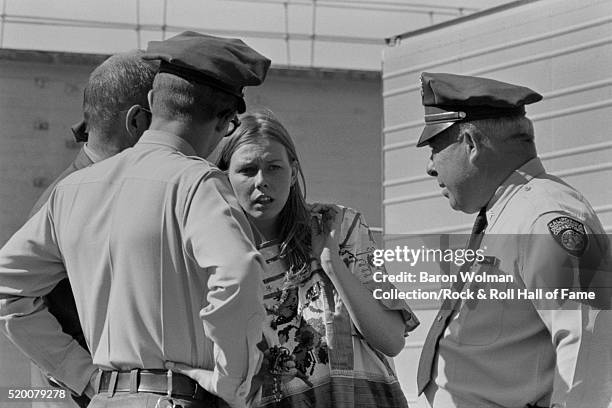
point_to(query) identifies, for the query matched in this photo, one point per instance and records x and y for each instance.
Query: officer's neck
(102, 148)
(496, 175)
(199, 134)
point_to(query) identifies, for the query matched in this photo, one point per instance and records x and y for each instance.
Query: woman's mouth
(263, 199)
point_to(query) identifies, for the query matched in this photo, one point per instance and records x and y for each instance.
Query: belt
(153, 381)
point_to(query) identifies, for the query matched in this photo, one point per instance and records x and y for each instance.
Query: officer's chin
(459, 206)
(451, 200)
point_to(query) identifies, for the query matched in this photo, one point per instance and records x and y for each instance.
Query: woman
(323, 324)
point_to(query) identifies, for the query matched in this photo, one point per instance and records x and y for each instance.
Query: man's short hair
(123, 80)
(176, 98)
(507, 129)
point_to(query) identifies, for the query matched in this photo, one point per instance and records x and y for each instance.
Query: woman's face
(261, 175)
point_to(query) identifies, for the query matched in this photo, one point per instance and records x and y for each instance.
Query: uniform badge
(570, 234)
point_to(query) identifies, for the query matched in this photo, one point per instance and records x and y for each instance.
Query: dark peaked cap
(450, 98)
(227, 64)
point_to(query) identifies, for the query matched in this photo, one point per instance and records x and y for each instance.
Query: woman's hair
(294, 219)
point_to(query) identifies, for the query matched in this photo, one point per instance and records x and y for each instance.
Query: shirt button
(527, 188)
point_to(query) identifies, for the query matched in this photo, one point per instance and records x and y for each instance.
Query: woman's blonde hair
(294, 219)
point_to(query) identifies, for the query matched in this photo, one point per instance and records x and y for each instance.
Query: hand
(325, 224)
(277, 364)
(285, 371)
(200, 375)
(278, 368)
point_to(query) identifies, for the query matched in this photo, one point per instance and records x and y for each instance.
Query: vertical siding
(561, 48)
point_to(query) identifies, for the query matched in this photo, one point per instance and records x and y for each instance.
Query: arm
(218, 235)
(30, 266)
(382, 326)
(580, 331)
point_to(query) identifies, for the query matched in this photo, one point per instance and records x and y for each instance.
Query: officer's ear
(150, 97)
(473, 141)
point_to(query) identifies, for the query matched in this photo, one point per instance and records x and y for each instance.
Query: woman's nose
(260, 179)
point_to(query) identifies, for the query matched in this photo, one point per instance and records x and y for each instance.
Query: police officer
(539, 231)
(116, 114)
(156, 247)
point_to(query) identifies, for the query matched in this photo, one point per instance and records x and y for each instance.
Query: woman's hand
(382, 328)
(277, 363)
(325, 224)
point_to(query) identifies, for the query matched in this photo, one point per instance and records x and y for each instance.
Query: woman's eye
(274, 167)
(247, 170)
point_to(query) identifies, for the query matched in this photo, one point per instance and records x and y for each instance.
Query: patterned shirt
(337, 367)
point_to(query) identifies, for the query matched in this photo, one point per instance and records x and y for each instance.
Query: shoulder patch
(570, 234)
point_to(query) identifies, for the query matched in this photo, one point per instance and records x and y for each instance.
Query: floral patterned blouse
(336, 366)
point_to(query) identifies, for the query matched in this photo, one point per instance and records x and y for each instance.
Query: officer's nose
(430, 168)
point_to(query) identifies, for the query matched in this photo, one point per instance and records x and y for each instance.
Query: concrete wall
(335, 117)
(562, 49)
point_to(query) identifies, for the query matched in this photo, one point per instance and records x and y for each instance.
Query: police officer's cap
(226, 64)
(450, 98)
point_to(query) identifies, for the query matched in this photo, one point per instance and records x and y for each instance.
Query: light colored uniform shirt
(510, 353)
(85, 158)
(162, 265)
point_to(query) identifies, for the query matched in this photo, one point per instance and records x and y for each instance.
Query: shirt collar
(93, 156)
(160, 137)
(82, 159)
(515, 182)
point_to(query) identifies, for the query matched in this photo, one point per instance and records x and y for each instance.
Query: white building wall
(562, 49)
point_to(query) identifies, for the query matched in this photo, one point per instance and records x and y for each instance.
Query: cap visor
(432, 130)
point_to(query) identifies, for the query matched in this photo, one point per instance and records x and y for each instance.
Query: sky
(349, 33)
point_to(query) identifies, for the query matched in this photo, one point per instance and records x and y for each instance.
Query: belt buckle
(168, 400)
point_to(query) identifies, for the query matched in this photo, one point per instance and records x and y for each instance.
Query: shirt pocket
(480, 321)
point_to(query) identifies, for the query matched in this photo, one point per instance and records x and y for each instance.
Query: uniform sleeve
(220, 239)
(30, 266)
(357, 251)
(563, 254)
